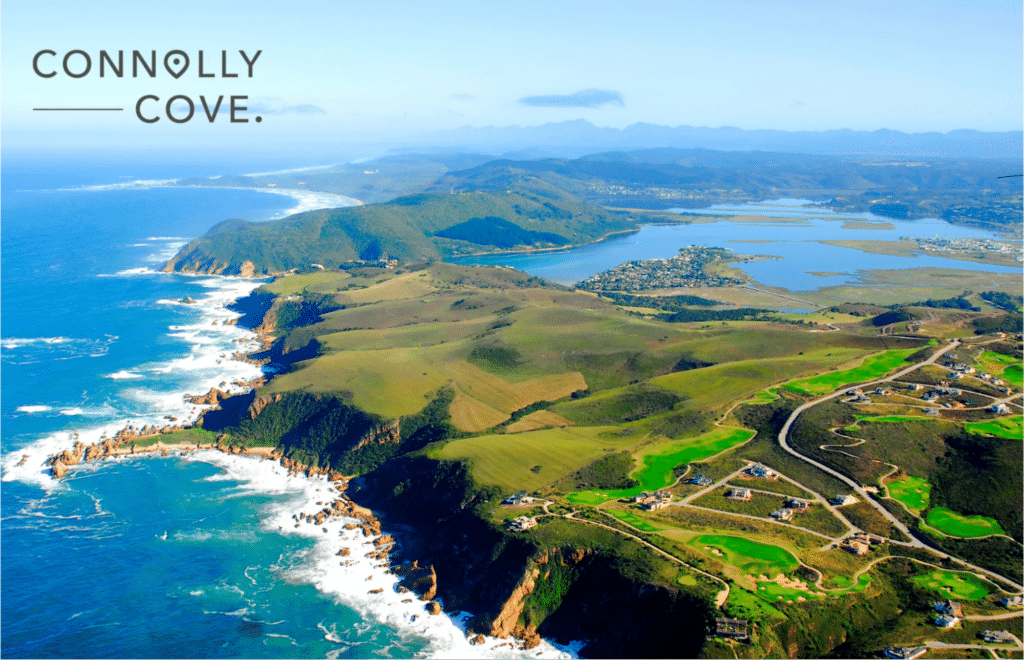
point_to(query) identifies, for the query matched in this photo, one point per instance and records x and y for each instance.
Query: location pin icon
(176, 59)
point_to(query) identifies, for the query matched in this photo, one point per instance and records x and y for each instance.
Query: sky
(390, 71)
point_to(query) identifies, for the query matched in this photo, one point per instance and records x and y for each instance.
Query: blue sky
(384, 71)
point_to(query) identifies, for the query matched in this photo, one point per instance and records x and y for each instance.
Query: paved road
(857, 488)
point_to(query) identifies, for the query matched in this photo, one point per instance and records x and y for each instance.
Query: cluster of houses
(521, 524)
(949, 613)
(792, 506)
(859, 544)
(653, 501)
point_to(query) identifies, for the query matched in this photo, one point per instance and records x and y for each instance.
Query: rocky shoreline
(417, 581)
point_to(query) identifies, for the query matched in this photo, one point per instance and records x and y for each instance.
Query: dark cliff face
(481, 569)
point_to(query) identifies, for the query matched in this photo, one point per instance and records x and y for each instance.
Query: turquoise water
(159, 557)
(794, 246)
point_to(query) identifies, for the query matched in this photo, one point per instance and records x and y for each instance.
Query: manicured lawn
(871, 368)
(1011, 428)
(954, 524)
(750, 556)
(657, 466)
(962, 586)
(915, 492)
(890, 418)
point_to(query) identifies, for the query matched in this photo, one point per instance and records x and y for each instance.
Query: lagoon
(793, 243)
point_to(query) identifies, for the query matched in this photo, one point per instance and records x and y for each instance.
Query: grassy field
(1000, 364)
(713, 387)
(1011, 428)
(961, 586)
(954, 524)
(511, 461)
(750, 556)
(872, 367)
(632, 519)
(915, 492)
(657, 463)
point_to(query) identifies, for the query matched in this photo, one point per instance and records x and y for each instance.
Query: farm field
(954, 524)
(912, 491)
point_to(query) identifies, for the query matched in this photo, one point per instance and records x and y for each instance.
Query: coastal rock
(389, 433)
(344, 552)
(529, 636)
(375, 591)
(261, 402)
(383, 539)
(434, 607)
(58, 469)
(479, 639)
(505, 623)
(189, 300)
(211, 398)
(422, 580)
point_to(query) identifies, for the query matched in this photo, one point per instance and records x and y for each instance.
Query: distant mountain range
(580, 137)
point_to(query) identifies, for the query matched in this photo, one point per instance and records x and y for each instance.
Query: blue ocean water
(193, 556)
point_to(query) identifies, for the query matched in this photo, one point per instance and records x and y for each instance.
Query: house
(700, 480)
(915, 387)
(999, 409)
(883, 391)
(855, 547)
(731, 628)
(797, 505)
(854, 392)
(931, 411)
(843, 500)
(1012, 601)
(759, 471)
(517, 499)
(783, 514)
(946, 621)
(998, 637)
(521, 524)
(740, 494)
(930, 396)
(950, 607)
(904, 653)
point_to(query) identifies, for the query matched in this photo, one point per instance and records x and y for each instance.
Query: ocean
(186, 556)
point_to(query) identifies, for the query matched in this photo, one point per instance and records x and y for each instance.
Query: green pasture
(891, 418)
(954, 524)
(915, 492)
(509, 461)
(872, 367)
(961, 586)
(657, 465)
(749, 556)
(1011, 428)
(297, 283)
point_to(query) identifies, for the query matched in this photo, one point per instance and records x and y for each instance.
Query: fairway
(871, 368)
(915, 492)
(963, 586)
(1011, 428)
(528, 461)
(750, 556)
(954, 524)
(656, 469)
